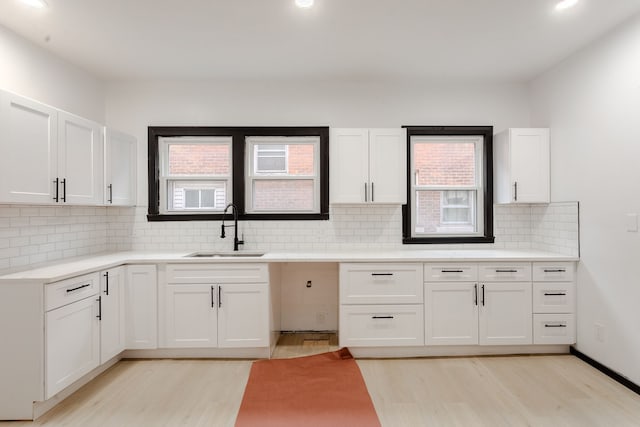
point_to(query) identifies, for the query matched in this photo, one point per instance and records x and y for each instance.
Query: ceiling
(505, 40)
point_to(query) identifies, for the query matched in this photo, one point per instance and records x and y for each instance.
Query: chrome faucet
(236, 242)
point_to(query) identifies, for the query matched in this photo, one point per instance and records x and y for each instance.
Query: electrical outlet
(599, 330)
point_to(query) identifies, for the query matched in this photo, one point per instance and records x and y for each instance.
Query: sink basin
(224, 254)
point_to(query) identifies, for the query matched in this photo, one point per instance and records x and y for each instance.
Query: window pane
(199, 159)
(191, 198)
(445, 163)
(284, 159)
(283, 195)
(196, 195)
(271, 164)
(445, 212)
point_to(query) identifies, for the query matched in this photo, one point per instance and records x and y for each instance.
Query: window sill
(446, 240)
(243, 217)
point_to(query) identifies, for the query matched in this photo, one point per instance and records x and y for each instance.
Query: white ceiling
(506, 40)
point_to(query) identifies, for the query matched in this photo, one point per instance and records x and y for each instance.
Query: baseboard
(607, 371)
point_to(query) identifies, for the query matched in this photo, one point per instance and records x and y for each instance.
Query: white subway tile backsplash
(31, 235)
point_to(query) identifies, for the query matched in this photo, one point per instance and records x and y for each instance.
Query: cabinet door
(120, 173)
(80, 160)
(388, 165)
(72, 344)
(28, 152)
(505, 313)
(112, 330)
(349, 166)
(530, 165)
(243, 315)
(191, 315)
(451, 313)
(141, 307)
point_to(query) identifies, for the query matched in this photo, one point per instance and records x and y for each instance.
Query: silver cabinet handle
(366, 198)
(515, 191)
(373, 197)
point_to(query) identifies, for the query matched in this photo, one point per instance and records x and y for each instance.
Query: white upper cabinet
(521, 166)
(48, 156)
(120, 168)
(28, 150)
(368, 166)
(80, 160)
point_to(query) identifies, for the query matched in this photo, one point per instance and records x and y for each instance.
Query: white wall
(31, 71)
(132, 106)
(591, 102)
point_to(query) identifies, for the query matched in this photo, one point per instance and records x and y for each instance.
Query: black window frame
(238, 135)
(486, 132)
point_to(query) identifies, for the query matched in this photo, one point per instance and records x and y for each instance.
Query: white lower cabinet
(112, 313)
(191, 316)
(505, 313)
(72, 332)
(141, 307)
(554, 301)
(478, 312)
(214, 314)
(243, 315)
(381, 305)
(451, 313)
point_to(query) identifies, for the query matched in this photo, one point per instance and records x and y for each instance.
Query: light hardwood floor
(471, 391)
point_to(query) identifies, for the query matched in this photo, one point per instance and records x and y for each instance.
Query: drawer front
(450, 272)
(505, 272)
(554, 329)
(553, 271)
(381, 325)
(551, 297)
(218, 273)
(71, 290)
(381, 284)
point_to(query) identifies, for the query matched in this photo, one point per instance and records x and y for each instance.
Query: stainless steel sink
(224, 254)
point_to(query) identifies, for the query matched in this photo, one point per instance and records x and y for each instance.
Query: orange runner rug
(322, 390)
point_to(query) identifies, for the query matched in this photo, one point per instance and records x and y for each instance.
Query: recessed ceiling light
(566, 4)
(304, 3)
(40, 4)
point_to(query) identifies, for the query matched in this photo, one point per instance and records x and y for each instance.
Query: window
(283, 174)
(449, 185)
(267, 172)
(195, 175)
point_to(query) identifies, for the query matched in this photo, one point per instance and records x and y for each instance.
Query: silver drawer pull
(554, 326)
(554, 294)
(558, 270)
(79, 287)
(382, 317)
(452, 271)
(382, 274)
(506, 271)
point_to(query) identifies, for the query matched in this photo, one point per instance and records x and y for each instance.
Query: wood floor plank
(472, 391)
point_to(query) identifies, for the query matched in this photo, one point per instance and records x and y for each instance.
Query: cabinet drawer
(505, 272)
(71, 290)
(450, 272)
(554, 329)
(381, 284)
(381, 325)
(553, 271)
(553, 297)
(217, 273)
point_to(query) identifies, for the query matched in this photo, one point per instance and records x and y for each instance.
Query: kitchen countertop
(75, 266)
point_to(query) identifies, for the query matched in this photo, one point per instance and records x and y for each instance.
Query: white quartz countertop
(76, 266)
